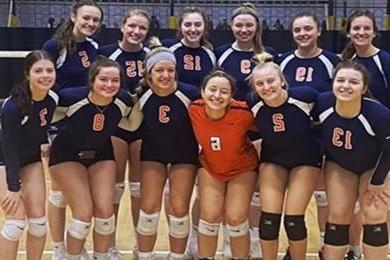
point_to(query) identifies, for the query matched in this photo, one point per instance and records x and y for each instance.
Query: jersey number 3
(163, 114)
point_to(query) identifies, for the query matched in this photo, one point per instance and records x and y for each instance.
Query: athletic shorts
(62, 152)
(129, 136)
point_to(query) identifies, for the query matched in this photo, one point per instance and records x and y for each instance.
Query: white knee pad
(147, 223)
(179, 227)
(105, 226)
(57, 199)
(37, 226)
(255, 201)
(321, 198)
(166, 188)
(208, 229)
(239, 230)
(79, 229)
(135, 189)
(13, 229)
(118, 192)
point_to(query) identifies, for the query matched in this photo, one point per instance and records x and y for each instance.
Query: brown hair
(222, 74)
(103, 62)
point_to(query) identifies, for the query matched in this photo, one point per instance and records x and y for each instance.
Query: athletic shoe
(84, 255)
(227, 251)
(59, 254)
(135, 251)
(113, 254)
(192, 247)
(351, 256)
(287, 255)
(321, 254)
(256, 250)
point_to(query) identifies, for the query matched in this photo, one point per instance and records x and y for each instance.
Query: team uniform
(288, 138)
(226, 151)
(379, 68)
(85, 137)
(23, 135)
(132, 64)
(357, 144)
(239, 65)
(168, 136)
(315, 72)
(193, 64)
(72, 69)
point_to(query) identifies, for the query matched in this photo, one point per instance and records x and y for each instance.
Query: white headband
(160, 56)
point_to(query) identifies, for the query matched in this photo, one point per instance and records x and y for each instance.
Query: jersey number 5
(215, 143)
(277, 120)
(338, 134)
(42, 117)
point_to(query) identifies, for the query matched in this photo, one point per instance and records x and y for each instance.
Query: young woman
(25, 117)
(164, 105)
(361, 29)
(229, 160)
(130, 54)
(357, 151)
(74, 52)
(236, 59)
(309, 65)
(81, 157)
(290, 157)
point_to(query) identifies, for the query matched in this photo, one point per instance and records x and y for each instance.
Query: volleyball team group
(252, 133)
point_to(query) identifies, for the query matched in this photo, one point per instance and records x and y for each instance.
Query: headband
(160, 56)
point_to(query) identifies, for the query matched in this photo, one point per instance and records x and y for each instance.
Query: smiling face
(305, 32)
(348, 85)
(162, 75)
(192, 29)
(135, 29)
(86, 20)
(362, 31)
(217, 93)
(268, 84)
(244, 28)
(107, 82)
(42, 75)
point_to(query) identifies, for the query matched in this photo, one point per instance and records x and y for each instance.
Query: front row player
(229, 160)
(356, 139)
(24, 121)
(81, 157)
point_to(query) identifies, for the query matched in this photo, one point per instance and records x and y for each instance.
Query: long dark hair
(64, 35)
(21, 93)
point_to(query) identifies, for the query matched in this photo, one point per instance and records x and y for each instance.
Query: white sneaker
(59, 254)
(84, 255)
(113, 254)
(227, 251)
(135, 251)
(256, 250)
(192, 246)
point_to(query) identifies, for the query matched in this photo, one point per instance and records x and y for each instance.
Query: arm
(133, 118)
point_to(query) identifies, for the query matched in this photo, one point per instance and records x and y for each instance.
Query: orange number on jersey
(84, 59)
(98, 122)
(162, 114)
(338, 133)
(131, 68)
(277, 120)
(215, 143)
(42, 117)
(245, 66)
(304, 74)
(191, 62)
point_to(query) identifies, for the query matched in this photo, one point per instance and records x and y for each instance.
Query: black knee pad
(375, 235)
(269, 226)
(295, 227)
(336, 235)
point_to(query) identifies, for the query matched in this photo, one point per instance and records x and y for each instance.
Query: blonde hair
(262, 61)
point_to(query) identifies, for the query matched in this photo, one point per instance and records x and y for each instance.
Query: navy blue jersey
(193, 64)
(286, 128)
(239, 65)
(131, 62)
(22, 136)
(88, 126)
(379, 68)
(168, 128)
(315, 72)
(72, 69)
(357, 144)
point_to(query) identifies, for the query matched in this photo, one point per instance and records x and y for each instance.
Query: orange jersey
(226, 150)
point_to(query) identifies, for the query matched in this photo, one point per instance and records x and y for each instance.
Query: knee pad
(375, 235)
(321, 198)
(147, 223)
(208, 229)
(118, 192)
(37, 226)
(255, 201)
(13, 229)
(135, 189)
(57, 199)
(269, 226)
(105, 226)
(336, 235)
(166, 188)
(238, 230)
(79, 229)
(295, 227)
(179, 227)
